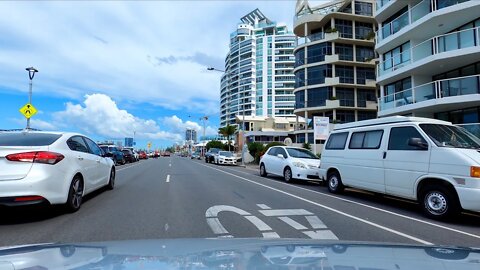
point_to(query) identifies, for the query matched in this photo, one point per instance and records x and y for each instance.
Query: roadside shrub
(255, 149)
(307, 146)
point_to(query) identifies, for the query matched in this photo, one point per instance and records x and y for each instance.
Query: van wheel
(439, 202)
(334, 182)
(263, 171)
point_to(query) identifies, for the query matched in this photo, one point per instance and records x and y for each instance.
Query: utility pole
(31, 74)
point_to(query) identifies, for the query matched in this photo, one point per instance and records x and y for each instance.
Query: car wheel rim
(77, 193)
(262, 169)
(288, 175)
(112, 178)
(436, 203)
(333, 182)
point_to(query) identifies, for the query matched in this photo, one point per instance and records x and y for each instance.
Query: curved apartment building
(429, 59)
(258, 79)
(335, 63)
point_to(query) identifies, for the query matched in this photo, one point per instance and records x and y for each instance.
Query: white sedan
(225, 157)
(291, 163)
(51, 167)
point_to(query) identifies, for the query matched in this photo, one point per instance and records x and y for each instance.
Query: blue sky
(107, 69)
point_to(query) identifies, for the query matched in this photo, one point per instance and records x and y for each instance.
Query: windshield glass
(450, 136)
(27, 139)
(226, 154)
(301, 153)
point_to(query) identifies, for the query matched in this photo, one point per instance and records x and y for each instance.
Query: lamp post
(31, 74)
(243, 116)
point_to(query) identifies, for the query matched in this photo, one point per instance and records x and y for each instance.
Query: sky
(109, 69)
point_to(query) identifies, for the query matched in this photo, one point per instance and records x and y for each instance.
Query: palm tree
(227, 131)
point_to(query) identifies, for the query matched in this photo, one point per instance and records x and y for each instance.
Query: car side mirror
(280, 156)
(418, 142)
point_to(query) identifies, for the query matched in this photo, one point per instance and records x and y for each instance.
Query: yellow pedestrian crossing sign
(28, 110)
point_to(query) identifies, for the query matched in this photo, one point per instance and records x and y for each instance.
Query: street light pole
(31, 74)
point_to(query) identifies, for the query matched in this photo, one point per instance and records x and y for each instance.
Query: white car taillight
(36, 157)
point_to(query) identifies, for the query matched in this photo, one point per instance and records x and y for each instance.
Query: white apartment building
(429, 59)
(258, 79)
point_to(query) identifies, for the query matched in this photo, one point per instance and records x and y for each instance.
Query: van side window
(337, 141)
(366, 140)
(399, 137)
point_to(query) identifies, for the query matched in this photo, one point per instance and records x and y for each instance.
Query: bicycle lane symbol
(316, 229)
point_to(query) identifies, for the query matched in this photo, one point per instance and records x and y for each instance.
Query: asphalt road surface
(178, 197)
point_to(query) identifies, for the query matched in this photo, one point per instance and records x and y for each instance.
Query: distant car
(114, 153)
(128, 155)
(225, 157)
(291, 163)
(142, 155)
(210, 155)
(51, 167)
(166, 154)
(195, 155)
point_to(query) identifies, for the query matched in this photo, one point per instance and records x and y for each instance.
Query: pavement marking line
(293, 223)
(329, 208)
(216, 226)
(134, 165)
(169, 165)
(285, 212)
(371, 207)
(263, 206)
(324, 234)
(168, 179)
(315, 222)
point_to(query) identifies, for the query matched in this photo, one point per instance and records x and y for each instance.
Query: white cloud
(178, 125)
(36, 124)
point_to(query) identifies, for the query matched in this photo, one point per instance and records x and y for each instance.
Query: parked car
(135, 153)
(210, 155)
(195, 155)
(422, 159)
(225, 157)
(114, 153)
(291, 163)
(166, 154)
(128, 155)
(142, 155)
(51, 167)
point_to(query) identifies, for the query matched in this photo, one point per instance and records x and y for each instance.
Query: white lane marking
(168, 178)
(315, 222)
(323, 234)
(263, 206)
(293, 223)
(123, 168)
(169, 165)
(212, 220)
(329, 208)
(285, 212)
(166, 227)
(371, 207)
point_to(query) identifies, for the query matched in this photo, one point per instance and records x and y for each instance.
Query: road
(182, 198)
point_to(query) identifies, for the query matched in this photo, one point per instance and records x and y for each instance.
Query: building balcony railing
(443, 43)
(460, 86)
(319, 10)
(381, 3)
(412, 15)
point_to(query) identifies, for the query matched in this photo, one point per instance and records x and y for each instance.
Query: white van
(428, 160)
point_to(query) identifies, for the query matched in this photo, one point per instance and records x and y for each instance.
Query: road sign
(28, 110)
(149, 145)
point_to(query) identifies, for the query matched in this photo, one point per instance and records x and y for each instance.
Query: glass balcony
(436, 45)
(381, 3)
(460, 86)
(395, 25)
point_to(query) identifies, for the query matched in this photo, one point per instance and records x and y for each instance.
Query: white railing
(381, 3)
(438, 44)
(319, 10)
(459, 86)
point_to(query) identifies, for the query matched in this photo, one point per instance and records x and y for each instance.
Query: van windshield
(451, 136)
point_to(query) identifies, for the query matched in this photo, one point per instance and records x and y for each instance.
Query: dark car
(113, 152)
(210, 155)
(128, 155)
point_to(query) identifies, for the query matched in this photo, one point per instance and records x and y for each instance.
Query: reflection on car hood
(309, 161)
(236, 254)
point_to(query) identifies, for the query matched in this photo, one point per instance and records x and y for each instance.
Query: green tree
(307, 146)
(273, 144)
(255, 149)
(227, 131)
(215, 144)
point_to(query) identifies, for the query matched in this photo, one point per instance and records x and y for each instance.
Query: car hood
(473, 154)
(236, 253)
(309, 161)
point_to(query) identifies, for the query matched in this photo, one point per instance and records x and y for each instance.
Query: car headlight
(299, 165)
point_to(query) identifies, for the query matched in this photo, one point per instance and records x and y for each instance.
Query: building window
(363, 30)
(317, 96)
(317, 74)
(464, 116)
(397, 57)
(345, 116)
(364, 74)
(345, 96)
(361, 115)
(344, 51)
(402, 90)
(300, 78)
(300, 99)
(453, 85)
(396, 22)
(344, 27)
(364, 54)
(362, 8)
(301, 138)
(300, 57)
(316, 53)
(363, 96)
(345, 73)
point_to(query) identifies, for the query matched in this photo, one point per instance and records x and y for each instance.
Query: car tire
(124, 161)
(439, 202)
(111, 181)
(334, 182)
(75, 195)
(263, 170)
(287, 175)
